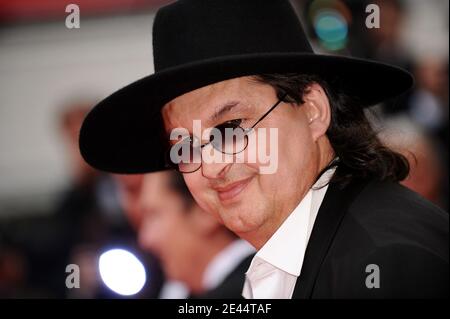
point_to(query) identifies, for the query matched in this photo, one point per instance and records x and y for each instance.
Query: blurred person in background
(384, 43)
(92, 213)
(426, 168)
(426, 110)
(193, 247)
(429, 102)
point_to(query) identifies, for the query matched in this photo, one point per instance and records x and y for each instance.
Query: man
(193, 247)
(331, 221)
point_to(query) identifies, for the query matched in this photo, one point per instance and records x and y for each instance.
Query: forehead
(203, 103)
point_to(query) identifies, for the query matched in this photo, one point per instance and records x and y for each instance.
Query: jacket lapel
(331, 212)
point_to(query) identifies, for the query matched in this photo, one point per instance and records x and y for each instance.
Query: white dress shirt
(275, 268)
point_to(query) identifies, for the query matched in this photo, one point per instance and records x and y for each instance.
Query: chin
(239, 220)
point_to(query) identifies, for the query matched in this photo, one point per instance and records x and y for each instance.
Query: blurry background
(55, 210)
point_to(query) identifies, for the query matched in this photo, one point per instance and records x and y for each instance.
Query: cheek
(202, 194)
(297, 156)
(295, 149)
(195, 183)
(280, 149)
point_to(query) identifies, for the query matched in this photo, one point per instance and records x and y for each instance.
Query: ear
(317, 110)
(203, 222)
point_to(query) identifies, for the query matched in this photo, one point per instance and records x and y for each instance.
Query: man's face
(242, 198)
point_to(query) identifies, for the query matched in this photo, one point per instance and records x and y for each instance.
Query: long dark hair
(359, 151)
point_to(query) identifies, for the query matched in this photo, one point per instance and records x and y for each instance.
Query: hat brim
(122, 134)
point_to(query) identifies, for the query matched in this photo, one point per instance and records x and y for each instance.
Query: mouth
(232, 190)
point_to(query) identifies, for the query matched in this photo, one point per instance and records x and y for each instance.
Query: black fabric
(197, 43)
(381, 223)
(231, 287)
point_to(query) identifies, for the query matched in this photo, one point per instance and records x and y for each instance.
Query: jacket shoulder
(392, 214)
(403, 235)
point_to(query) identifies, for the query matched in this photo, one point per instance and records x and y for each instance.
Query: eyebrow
(222, 110)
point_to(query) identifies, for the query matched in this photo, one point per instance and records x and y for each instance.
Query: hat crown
(196, 30)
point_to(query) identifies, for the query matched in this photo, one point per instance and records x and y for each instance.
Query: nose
(147, 238)
(215, 164)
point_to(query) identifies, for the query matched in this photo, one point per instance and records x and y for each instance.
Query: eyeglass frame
(245, 132)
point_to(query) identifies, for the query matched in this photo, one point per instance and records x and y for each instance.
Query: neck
(208, 250)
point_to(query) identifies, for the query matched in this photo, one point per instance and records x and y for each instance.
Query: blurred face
(164, 224)
(249, 203)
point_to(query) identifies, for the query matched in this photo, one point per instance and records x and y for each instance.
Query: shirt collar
(286, 248)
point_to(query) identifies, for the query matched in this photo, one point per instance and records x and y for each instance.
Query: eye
(233, 123)
(229, 124)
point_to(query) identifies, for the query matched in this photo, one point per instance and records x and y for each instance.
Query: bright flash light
(122, 272)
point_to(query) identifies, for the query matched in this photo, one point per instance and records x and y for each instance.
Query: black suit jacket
(376, 223)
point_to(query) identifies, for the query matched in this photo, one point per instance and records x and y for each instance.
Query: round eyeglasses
(228, 138)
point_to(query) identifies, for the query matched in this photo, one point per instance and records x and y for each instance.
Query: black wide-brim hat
(200, 42)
